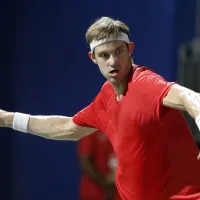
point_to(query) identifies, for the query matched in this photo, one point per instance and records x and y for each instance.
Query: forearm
(51, 127)
(185, 99)
(190, 100)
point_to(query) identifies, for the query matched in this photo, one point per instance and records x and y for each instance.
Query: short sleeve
(151, 89)
(89, 116)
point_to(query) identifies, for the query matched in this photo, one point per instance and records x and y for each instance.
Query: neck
(121, 87)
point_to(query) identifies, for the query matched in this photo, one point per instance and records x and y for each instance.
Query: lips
(114, 71)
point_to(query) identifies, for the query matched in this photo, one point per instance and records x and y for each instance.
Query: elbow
(191, 103)
(181, 99)
(182, 96)
(185, 99)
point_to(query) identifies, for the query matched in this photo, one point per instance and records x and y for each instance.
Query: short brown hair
(104, 28)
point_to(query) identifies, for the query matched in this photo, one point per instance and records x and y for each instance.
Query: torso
(155, 155)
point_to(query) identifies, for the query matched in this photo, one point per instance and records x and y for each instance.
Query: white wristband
(197, 120)
(20, 122)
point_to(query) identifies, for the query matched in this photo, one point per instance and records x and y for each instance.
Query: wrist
(20, 122)
(8, 119)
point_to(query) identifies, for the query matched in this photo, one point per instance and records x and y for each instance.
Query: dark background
(45, 70)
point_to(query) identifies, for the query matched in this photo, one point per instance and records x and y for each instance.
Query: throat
(119, 97)
(121, 87)
(120, 90)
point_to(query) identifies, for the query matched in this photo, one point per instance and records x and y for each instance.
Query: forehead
(110, 46)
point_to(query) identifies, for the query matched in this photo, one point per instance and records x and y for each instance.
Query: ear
(130, 48)
(91, 55)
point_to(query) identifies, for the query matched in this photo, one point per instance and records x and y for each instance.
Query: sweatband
(123, 37)
(20, 122)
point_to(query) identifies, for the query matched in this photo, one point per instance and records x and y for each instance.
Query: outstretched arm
(183, 98)
(50, 127)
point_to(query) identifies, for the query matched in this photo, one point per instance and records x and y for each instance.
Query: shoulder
(145, 75)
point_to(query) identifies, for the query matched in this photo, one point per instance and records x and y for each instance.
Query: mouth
(114, 72)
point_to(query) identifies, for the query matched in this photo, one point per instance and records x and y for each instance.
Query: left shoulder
(142, 74)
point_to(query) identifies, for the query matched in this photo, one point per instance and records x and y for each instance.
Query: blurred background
(45, 70)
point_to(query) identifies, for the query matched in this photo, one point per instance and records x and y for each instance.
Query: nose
(112, 60)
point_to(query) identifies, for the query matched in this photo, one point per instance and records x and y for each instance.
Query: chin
(113, 81)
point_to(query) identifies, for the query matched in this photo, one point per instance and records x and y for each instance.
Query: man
(139, 111)
(98, 163)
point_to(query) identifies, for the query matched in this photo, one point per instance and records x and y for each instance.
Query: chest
(122, 121)
(128, 124)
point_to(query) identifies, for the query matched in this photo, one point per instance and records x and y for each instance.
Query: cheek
(126, 59)
(102, 65)
(103, 69)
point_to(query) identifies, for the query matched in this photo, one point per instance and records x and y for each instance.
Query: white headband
(122, 36)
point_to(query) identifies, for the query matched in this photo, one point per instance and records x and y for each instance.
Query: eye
(118, 51)
(104, 55)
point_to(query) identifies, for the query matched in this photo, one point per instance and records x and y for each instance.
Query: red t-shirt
(98, 147)
(157, 155)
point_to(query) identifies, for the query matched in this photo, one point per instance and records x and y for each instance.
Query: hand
(2, 113)
(6, 118)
